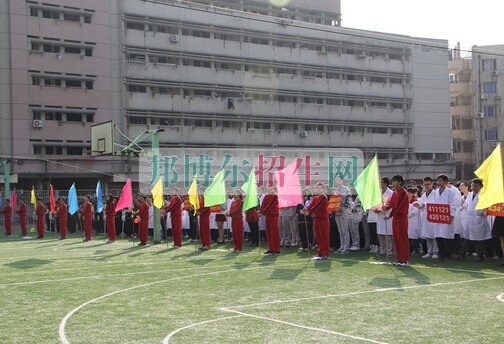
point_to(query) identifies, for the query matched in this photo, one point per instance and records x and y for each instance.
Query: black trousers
(254, 232)
(479, 246)
(444, 247)
(305, 238)
(373, 234)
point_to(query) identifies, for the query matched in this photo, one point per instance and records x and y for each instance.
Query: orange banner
(215, 208)
(496, 210)
(334, 202)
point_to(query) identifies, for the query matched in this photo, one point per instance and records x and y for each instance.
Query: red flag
(13, 200)
(288, 186)
(52, 201)
(126, 199)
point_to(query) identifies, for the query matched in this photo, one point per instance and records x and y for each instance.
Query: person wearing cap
(318, 209)
(204, 224)
(175, 210)
(40, 212)
(22, 216)
(236, 214)
(110, 219)
(143, 214)
(269, 208)
(87, 216)
(62, 215)
(399, 206)
(7, 212)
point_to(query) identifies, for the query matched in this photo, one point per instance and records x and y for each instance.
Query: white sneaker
(317, 258)
(354, 248)
(435, 256)
(428, 255)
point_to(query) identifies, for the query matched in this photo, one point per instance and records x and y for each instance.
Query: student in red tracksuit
(110, 221)
(321, 227)
(22, 217)
(399, 203)
(62, 214)
(204, 225)
(175, 208)
(269, 208)
(87, 215)
(40, 211)
(143, 226)
(7, 213)
(253, 223)
(236, 214)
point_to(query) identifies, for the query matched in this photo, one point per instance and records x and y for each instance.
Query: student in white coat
(478, 231)
(384, 228)
(456, 245)
(464, 190)
(445, 233)
(413, 222)
(427, 228)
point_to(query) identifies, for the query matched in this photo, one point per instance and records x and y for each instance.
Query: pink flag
(126, 199)
(288, 186)
(13, 200)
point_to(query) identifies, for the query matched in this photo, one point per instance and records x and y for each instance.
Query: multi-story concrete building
(215, 73)
(463, 115)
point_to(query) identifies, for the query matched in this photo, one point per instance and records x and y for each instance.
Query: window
(50, 14)
(89, 84)
(468, 146)
(34, 12)
(90, 118)
(137, 120)
(71, 17)
(456, 147)
(49, 150)
(442, 156)
(87, 19)
(35, 46)
(137, 89)
(490, 111)
(74, 117)
(74, 150)
(489, 87)
(52, 82)
(489, 65)
(36, 80)
(73, 50)
(73, 83)
(378, 130)
(467, 123)
(491, 135)
(50, 48)
(203, 123)
(453, 101)
(453, 78)
(397, 131)
(424, 156)
(135, 26)
(37, 150)
(88, 52)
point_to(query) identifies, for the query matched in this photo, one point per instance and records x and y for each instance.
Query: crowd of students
(397, 227)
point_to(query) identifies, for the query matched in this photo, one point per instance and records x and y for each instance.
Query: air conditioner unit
(496, 73)
(480, 115)
(38, 123)
(174, 38)
(303, 133)
(484, 96)
(495, 144)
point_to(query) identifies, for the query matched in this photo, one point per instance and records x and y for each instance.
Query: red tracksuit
(87, 215)
(110, 222)
(236, 213)
(175, 208)
(143, 226)
(22, 218)
(269, 208)
(204, 224)
(318, 209)
(7, 212)
(62, 214)
(40, 211)
(399, 204)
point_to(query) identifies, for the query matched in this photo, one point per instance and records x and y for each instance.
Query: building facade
(214, 74)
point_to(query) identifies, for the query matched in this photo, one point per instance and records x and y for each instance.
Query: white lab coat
(384, 227)
(463, 217)
(413, 222)
(151, 217)
(443, 230)
(457, 224)
(426, 228)
(262, 219)
(476, 226)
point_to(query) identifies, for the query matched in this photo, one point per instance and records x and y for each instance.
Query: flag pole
(307, 236)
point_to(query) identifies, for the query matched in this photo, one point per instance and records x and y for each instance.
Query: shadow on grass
(285, 274)
(28, 263)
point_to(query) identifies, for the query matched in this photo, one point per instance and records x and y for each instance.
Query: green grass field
(68, 291)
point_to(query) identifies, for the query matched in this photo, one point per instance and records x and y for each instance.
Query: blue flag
(1, 202)
(99, 195)
(73, 203)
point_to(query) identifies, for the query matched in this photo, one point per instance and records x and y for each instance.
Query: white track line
(62, 335)
(166, 340)
(307, 327)
(500, 297)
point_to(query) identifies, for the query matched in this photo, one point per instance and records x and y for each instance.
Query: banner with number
(496, 210)
(438, 213)
(334, 202)
(215, 208)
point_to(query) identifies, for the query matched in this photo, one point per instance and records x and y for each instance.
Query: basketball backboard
(102, 139)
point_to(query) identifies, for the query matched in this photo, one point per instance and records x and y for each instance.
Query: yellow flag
(490, 172)
(33, 198)
(157, 193)
(193, 195)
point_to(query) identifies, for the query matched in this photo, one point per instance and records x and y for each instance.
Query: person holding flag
(320, 214)
(87, 215)
(40, 212)
(204, 222)
(250, 207)
(143, 226)
(175, 210)
(7, 213)
(110, 219)
(22, 211)
(236, 214)
(62, 215)
(269, 208)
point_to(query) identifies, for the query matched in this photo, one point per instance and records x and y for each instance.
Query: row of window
(460, 101)
(67, 80)
(490, 87)
(59, 150)
(462, 123)
(291, 70)
(463, 146)
(262, 39)
(64, 115)
(54, 45)
(185, 92)
(206, 123)
(65, 13)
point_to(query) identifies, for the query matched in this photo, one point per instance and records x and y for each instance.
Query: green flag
(250, 189)
(216, 193)
(368, 185)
